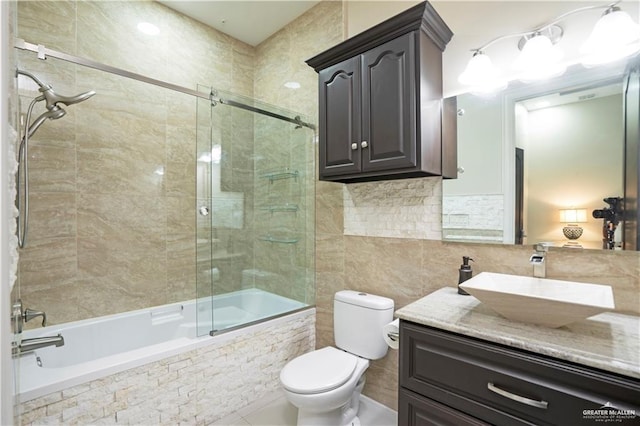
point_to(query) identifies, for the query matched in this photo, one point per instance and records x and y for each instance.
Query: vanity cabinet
(451, 379)
(381, 113)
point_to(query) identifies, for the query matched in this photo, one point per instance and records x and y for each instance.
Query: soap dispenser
(465, 273)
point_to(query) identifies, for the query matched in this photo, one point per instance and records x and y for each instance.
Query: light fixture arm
(546, 25)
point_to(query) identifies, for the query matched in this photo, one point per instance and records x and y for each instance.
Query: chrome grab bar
(521, 399)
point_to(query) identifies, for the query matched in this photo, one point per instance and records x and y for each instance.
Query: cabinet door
(416, 410)
(389, 105)
(340, 137)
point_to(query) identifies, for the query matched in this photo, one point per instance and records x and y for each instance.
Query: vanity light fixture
(572, 231)
(482, 75)
(615, 36)
(540, 58)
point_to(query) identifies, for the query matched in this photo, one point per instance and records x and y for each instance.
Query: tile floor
(275, 410)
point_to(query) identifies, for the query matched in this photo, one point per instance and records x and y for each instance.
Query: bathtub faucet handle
(30, 314)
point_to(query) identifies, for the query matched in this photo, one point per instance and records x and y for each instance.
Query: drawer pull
(518, 398)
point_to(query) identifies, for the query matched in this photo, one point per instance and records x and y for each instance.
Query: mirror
(542, 162)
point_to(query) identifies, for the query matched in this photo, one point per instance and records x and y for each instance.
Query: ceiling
(474, 23)
(249, 21)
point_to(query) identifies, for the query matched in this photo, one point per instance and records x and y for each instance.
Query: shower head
(51, 97)
(52, 114)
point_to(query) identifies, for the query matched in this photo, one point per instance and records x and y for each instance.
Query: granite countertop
(608, 341)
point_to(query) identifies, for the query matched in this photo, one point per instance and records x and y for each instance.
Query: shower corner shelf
(279, 240)
(281, 174)
(281, 208)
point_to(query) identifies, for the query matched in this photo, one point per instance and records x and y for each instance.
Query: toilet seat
(319, 371)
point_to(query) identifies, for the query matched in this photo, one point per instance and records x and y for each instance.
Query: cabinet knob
(354, 146)
(364, 144)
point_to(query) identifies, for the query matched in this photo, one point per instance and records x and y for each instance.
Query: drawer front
(416, 410)
(529, 387)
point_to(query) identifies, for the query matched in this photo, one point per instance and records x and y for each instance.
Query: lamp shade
(482, 75)
(539, 59)
(615, 36)
(573, 215)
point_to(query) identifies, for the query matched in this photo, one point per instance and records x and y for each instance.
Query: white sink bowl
(551, 303)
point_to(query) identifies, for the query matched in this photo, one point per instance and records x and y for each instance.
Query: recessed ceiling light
(292, 85)
(148, 28)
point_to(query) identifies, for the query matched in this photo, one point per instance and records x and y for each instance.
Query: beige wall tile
(124, 157)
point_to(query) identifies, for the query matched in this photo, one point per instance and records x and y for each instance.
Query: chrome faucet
(538, 260)
(30, 345)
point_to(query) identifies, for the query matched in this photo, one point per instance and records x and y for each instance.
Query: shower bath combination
(53, 112)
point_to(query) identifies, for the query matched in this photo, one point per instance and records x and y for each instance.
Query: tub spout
(30, 345)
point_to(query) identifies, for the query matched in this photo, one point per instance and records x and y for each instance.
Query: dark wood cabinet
(416, 410)
(339, 106)
(380, 102)
(470, 381)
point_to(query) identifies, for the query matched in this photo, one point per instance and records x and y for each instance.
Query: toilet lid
(318, 371)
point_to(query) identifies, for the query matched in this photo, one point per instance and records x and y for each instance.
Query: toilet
(326, 384)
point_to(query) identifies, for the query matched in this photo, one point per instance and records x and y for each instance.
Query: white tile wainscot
(195, 387)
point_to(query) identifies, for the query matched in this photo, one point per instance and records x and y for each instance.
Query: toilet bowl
(326, 384)
(323, 385)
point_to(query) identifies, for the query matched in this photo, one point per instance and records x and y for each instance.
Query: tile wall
(113, 186)
(113, 182)
(406, 269)
(278, 60)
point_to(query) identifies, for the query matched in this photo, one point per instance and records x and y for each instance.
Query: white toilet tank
(358, 319)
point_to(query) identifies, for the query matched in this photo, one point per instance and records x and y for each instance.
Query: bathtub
(102, 346)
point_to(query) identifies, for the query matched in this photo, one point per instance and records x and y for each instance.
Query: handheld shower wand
(53, 112)
(52, 98)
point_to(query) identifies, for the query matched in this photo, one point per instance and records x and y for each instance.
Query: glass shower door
(204, 266)
(255, 173)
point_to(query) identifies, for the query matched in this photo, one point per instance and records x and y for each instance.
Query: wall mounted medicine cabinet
(381, 113)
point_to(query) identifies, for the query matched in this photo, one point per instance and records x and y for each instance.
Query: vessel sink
(540, 301)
